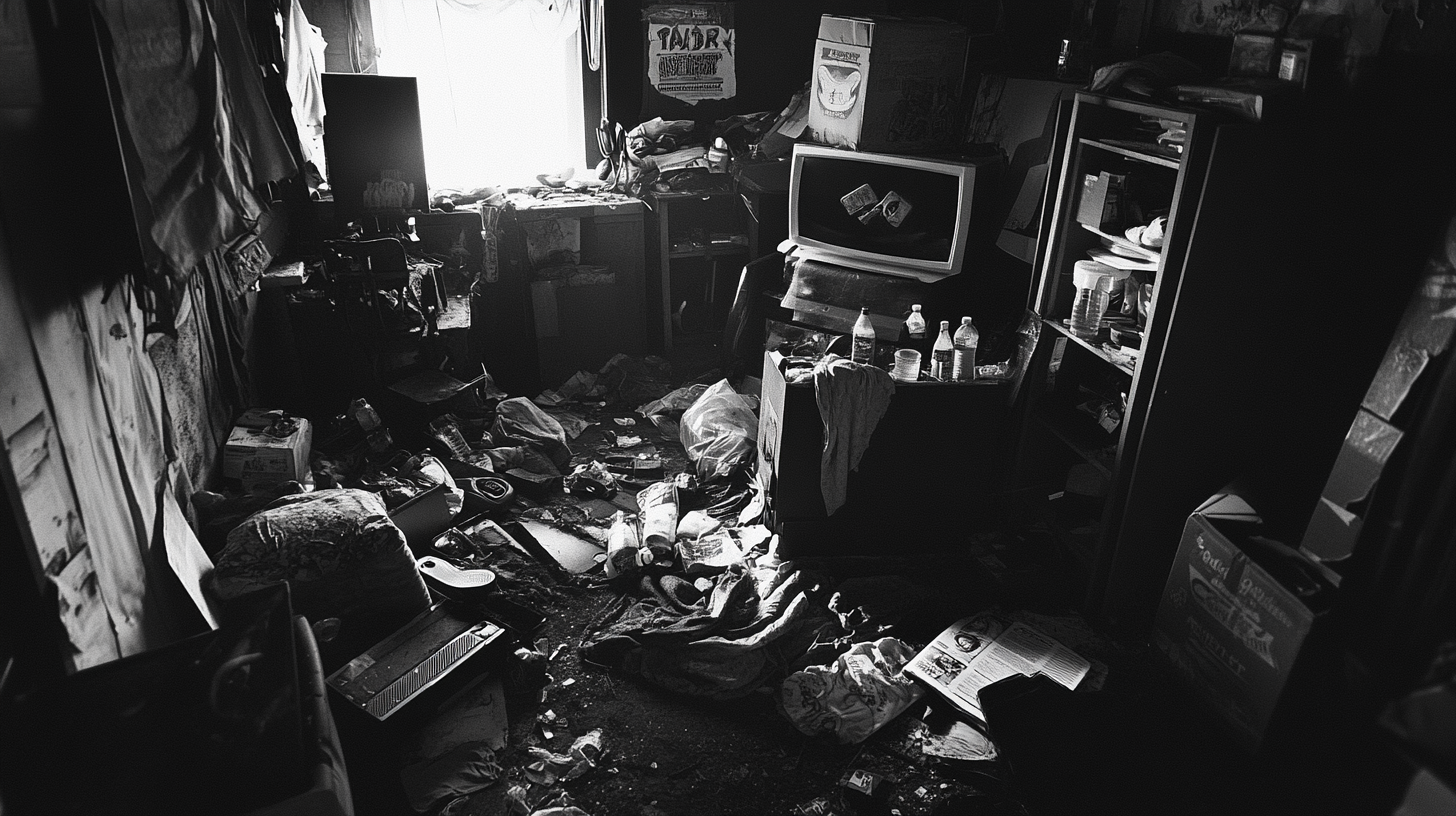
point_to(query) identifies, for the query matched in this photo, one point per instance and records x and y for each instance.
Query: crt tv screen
(900, 215)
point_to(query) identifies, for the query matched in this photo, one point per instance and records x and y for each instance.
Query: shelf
(1149, 254)
(709, 251)
(1089, 453)
(1147, 152)
(1116, 362)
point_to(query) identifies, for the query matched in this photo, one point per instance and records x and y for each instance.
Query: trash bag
(719, 432)
(519, 418)
(854, 696)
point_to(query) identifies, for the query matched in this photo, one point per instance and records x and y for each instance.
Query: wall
(101, 451)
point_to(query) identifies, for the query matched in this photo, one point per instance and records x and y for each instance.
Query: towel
(852, 398)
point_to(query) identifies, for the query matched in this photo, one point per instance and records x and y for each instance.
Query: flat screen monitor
(373, 144)
(898, 215)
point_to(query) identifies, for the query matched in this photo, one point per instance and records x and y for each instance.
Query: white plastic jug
(1094, 282)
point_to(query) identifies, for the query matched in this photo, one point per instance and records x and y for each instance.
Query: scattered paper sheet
(979, 650)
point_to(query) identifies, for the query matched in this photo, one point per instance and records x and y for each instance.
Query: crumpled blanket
(851, 398)
(723, 644)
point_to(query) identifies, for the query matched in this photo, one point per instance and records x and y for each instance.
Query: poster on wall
(690, 51)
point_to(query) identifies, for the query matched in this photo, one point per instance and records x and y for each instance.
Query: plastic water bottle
(1094, 283)
(941, 354)
(963, 358)
(863, 350)
(915, 324)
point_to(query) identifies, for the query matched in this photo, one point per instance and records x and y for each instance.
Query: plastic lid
(1089, 274)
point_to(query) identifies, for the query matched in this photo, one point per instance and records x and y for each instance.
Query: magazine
(979, 650)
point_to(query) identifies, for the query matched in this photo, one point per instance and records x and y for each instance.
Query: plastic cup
(907, 365)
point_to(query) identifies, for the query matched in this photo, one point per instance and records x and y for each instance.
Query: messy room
(636, 408)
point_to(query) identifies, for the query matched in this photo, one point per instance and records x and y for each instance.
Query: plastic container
(942, 353)
(963, 354)
(1094, 282)
(915, 324)
(907, 365)
(863, 350)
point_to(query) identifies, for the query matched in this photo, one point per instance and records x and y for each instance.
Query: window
(500, 85)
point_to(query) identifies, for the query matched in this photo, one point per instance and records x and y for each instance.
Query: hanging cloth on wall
(304, 61)
(198, 136)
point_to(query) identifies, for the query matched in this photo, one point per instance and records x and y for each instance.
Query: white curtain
(499, 84)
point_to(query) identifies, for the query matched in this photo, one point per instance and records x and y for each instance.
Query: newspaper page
(981, 649)
(691, 51)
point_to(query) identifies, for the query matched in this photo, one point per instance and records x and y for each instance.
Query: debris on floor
(624, 530)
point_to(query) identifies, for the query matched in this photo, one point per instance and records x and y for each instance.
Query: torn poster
(690, 51)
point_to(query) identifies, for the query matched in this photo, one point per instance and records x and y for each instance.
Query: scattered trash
(674, 403)
(711, 553)
(720, 432)
(853, 697)
(864, 789)
(820, 806)
(580, 385)
(591, 480)
(574, 553)
(548, 767)
(659, 519)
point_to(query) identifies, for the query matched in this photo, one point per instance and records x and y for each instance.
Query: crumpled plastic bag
(547, 767)
(855, 695)
(719, 432)
(675, 401)
(522, 419)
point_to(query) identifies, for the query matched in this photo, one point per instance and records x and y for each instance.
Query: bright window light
(500, 86)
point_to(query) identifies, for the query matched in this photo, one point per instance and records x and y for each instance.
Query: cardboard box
(255, 456)
(887, 84)
(1231, 629)
(1100, 205)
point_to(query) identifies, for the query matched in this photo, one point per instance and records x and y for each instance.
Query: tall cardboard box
(887, 84)
(1232, 630)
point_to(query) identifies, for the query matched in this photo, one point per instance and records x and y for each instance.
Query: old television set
(910, 216)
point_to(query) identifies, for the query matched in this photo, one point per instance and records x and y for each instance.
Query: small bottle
(941, 353)
(863, 350)
(963, 364)
(624, 546)
(915, 324)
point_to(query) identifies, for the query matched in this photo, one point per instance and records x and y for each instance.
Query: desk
(536, 324)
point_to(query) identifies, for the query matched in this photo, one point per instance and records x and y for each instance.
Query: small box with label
(886, 83)
(270, 454)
